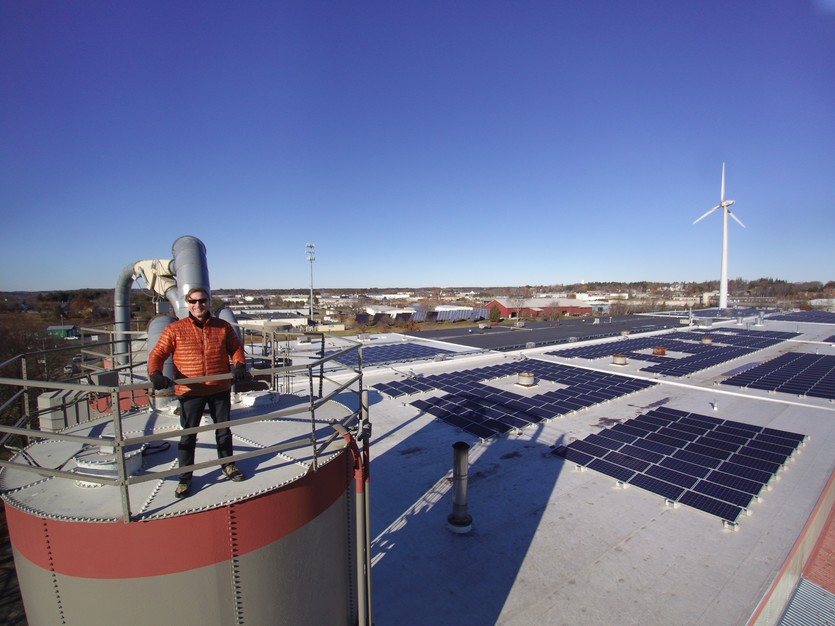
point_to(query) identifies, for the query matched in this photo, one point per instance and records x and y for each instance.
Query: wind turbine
(725, 205)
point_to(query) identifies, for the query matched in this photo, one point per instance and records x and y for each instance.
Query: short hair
(195, 290)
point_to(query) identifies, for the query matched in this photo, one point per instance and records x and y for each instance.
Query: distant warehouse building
(512, 308)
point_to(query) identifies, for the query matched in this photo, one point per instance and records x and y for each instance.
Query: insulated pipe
(361, 468)
(460, 521)
(227, 315)
(121, 315)
(190, 268)
(155, 328)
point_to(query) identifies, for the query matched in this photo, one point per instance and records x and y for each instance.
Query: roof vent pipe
(460, 522)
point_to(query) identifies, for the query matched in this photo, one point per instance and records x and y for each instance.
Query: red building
(512, 308)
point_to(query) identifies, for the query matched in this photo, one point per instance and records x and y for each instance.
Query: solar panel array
(714, 465)
(700, 355)
(816, 317)
(390, 353)
(476, 407)
(796, 373)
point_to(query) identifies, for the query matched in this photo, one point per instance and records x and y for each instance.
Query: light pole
(311, 256)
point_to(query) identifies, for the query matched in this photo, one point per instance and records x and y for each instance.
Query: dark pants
(191, 411)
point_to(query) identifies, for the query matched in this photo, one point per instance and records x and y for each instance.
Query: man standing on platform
(202, 345)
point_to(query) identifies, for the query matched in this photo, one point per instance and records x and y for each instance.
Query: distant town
(358, 309)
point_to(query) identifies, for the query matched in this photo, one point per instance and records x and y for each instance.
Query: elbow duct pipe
(121, 313)
(190, 268)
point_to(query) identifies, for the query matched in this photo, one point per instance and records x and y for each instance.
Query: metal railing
(25, 426)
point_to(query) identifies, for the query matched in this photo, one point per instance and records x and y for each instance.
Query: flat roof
(553, 544)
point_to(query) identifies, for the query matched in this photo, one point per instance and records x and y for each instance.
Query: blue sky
(416, 143)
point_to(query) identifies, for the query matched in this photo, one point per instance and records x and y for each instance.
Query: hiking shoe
(182, 489)
(233, 473)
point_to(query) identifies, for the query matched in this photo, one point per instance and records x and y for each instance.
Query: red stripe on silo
(177, 544)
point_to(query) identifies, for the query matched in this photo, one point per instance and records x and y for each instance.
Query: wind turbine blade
(723, 183)
(736, 218)
(718, 206)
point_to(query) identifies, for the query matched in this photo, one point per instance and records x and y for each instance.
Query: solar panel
(691, 469)
(736, 482)
(744, 471)
(723, 510)
(618, 472)
(642, 453)
(714, 465)
(654, 485)
(671, 476)
(721, 492)
(629, 462)
(697, 459)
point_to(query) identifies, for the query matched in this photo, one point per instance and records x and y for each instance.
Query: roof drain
(460, 522)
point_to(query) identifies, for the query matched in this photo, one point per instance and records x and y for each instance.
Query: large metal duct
(121, 306)
(191, 269)
(226, 314)
(188, 268)
(155, 328)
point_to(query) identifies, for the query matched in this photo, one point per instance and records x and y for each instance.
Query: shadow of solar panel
(723, 510)
(721, 492)
(663, 489)
(617, 472)
(671, 476)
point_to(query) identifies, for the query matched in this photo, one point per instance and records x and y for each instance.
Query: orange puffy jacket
(198, 352)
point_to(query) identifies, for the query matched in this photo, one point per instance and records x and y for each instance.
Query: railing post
(119, 453)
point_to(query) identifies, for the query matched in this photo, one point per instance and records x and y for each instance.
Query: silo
(277, 548)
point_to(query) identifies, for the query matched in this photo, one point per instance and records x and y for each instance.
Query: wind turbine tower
(725, 205)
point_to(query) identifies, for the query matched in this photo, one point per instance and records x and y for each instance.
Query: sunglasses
(198, 301)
